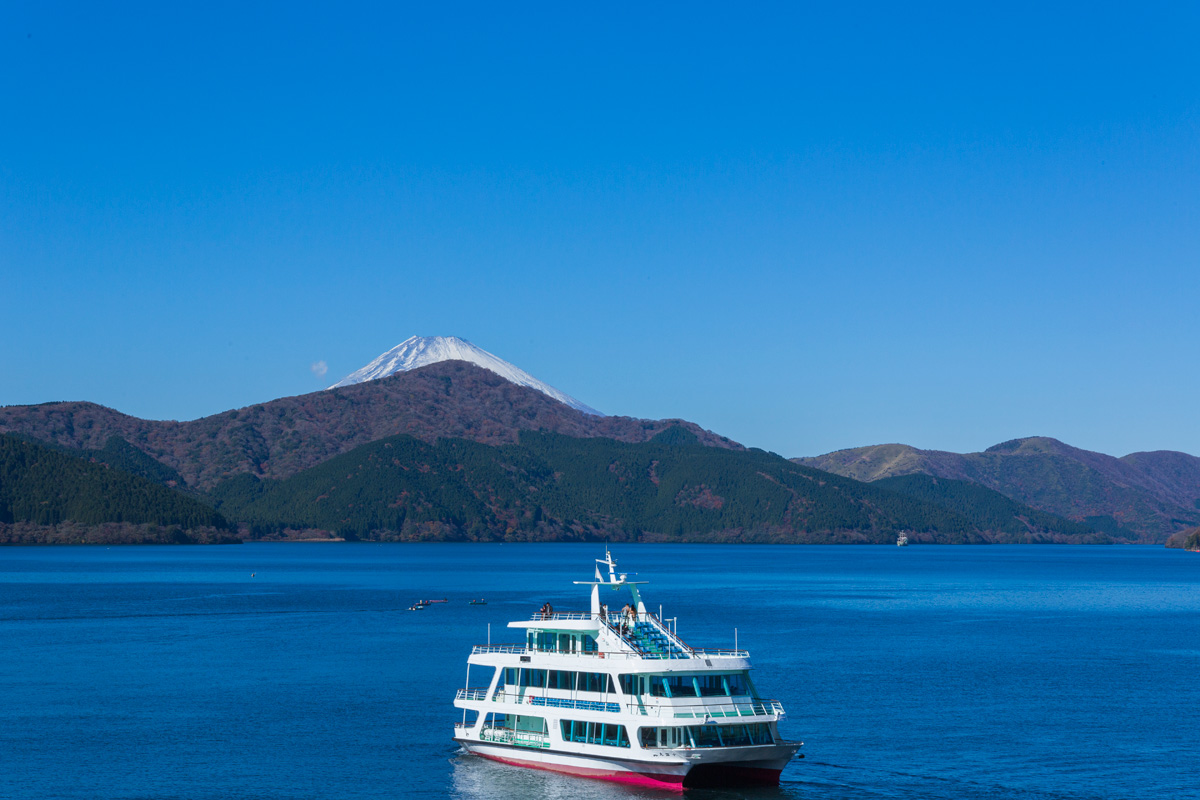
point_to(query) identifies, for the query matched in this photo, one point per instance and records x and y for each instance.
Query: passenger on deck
(547, 611)
(624, 619)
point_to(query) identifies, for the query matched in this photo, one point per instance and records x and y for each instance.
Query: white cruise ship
(617, 695)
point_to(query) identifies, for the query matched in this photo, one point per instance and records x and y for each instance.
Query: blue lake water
(922, 672)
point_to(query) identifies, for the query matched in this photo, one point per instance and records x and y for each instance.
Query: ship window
(673, 686)
(533, 677)
(589, 644)
(595, 682)
(595, 733)
(699, 685)
(628, 683)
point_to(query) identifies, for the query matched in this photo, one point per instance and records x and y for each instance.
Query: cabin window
(701, 685)
(589, 643)
(628, 682)
(533, 677)
(664, 737)
(672, 686)
(595, 682)
(594, 733)
(561, 679)
(707, 736)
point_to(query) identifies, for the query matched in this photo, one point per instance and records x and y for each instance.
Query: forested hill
(47, 496)
(1143, 497)
(549, 486)
(988, 510)
(282, 437)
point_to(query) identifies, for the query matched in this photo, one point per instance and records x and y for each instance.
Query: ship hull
(675, 775)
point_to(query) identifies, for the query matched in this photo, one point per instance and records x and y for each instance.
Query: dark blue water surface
(923, 672)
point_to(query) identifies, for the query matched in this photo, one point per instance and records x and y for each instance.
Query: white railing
(720, 653)
(520, 649)
(565, 615)
(733, 708)
(520, 738)
(471, 694)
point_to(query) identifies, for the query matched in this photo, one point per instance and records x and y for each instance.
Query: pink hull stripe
(656, 780)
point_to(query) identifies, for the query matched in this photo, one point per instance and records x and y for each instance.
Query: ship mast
(615, 582)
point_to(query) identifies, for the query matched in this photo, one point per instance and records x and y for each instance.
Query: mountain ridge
(554, 487)
(1145, 496)
(280, 437)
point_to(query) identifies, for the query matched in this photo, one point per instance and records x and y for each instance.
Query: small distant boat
(417, 607)
(902, 540)
(479, 602)
(428, 602)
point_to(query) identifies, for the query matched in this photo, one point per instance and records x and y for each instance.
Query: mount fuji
(421, 351)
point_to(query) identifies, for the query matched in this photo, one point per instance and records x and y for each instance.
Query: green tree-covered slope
(40, 486)
(988, 510)
(1143, 497)
(550, 486)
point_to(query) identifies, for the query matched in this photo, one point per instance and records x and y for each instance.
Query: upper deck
(633, 634)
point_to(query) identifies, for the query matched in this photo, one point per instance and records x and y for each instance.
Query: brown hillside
(1148, 495)
(282, 437)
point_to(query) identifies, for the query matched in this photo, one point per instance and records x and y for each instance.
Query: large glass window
(706, 735)
(594, 733)
(698, 685)
(533, 677)
(595, 682)
(672, 686)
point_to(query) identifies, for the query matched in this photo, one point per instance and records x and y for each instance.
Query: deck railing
(519, 738)
(520, 649)
(749, 707)
(502, 696)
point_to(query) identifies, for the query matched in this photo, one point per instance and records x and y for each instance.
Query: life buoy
(529, 699)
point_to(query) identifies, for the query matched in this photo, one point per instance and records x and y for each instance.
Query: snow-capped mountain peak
(420, 351)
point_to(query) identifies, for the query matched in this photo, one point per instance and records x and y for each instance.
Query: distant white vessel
(620, 697)
(902, 540)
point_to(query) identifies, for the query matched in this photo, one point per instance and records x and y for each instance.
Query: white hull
(761, 764)
(620, 697)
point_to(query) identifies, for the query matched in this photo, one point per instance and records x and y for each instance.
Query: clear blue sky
(805, 227)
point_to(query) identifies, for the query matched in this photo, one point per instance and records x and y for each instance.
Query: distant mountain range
(1143, 497)
(670, 488)
(282, 437)
(422, 445)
